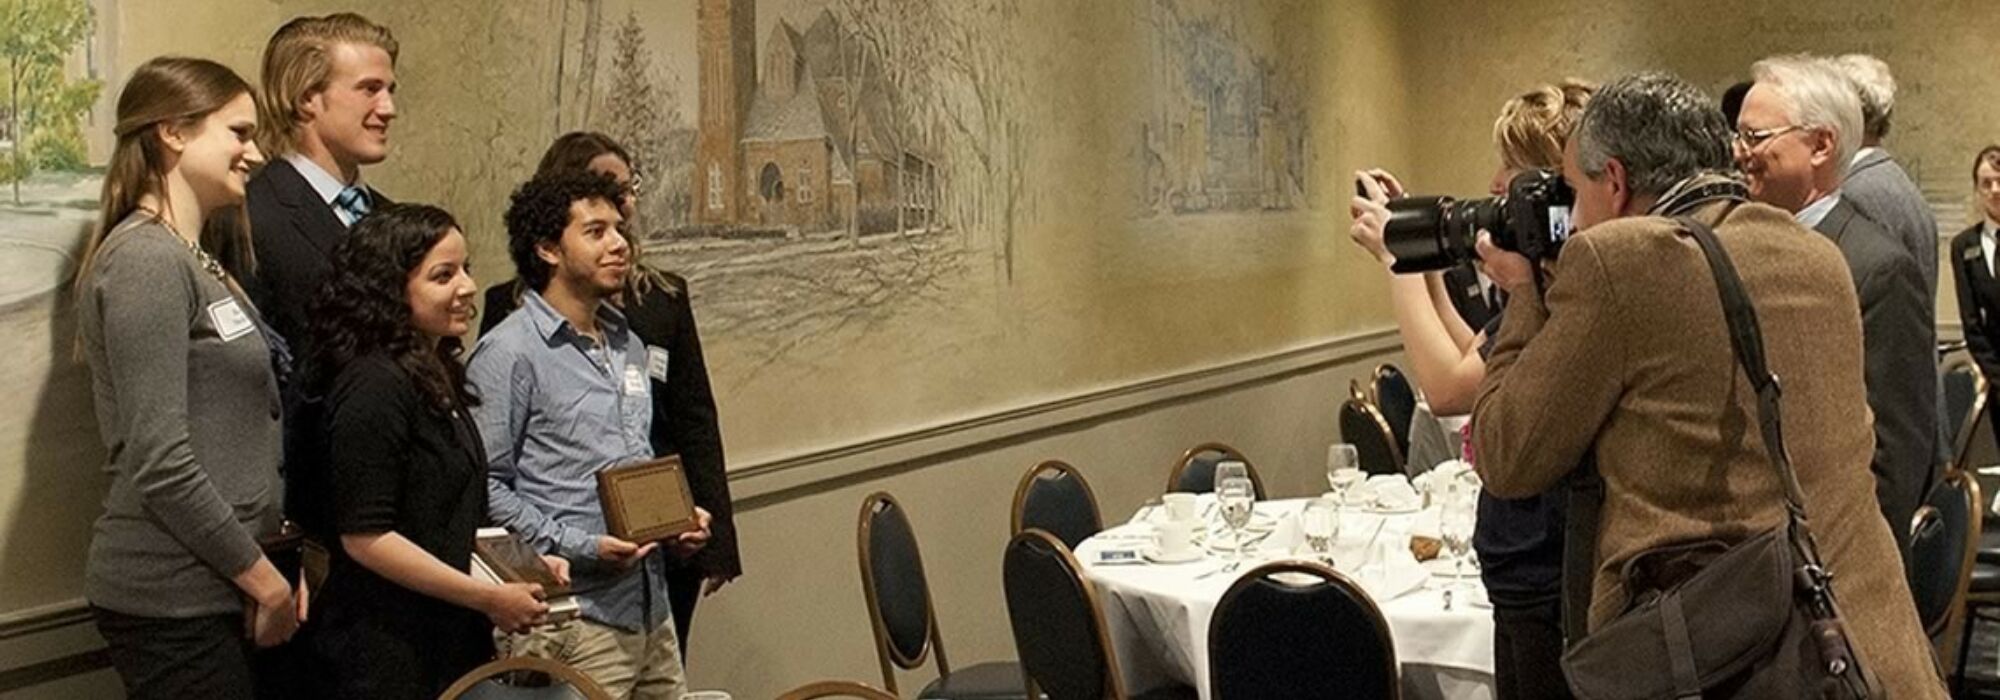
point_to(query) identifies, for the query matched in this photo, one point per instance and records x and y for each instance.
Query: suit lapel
(1834, 225)
(316, 220)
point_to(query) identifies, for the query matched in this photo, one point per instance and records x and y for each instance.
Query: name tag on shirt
(656, 363)
(230, 320)
(635, 381)
(1970, 254)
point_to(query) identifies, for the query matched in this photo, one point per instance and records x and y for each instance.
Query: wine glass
(1343, 470)
(1456, 519)
(1237, 497)
(1320, 522)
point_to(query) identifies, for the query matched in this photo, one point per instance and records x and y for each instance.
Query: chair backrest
(1293, 629)
(1396, 400)
(1363, 426)
(1054, 496)
(1964, 406)
(1944, 543)
(1194, 472)
(835, 689)
(524, 678)
(1058, 625)
(899, 596)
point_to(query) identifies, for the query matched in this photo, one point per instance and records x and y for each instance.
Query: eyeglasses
(632, 187)
(1756, 138)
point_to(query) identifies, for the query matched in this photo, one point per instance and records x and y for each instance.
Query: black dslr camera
(1435, 233)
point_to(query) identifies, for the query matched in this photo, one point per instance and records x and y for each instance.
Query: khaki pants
(638, 665)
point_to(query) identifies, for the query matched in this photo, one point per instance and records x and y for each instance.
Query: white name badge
(656, 363)
(635, 381)
(230, 320)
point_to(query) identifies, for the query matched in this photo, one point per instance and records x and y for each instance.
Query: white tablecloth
(1158, 615)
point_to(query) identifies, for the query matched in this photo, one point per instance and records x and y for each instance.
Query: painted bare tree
(958, 80)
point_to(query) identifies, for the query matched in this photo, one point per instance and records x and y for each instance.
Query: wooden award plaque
(647, 501)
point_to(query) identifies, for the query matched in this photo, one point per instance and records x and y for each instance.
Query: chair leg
(1964, 653)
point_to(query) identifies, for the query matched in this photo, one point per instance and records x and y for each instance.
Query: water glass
(1343, 469)
(1237, 497)
(1320, 522)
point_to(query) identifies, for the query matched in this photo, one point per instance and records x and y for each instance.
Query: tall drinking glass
(1343, 470)
(1237, 497)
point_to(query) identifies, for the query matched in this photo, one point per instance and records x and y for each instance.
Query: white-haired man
(1876, 182)
(1799, 128)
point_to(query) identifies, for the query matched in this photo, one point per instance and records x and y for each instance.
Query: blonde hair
(1532, 127)
(298, 61)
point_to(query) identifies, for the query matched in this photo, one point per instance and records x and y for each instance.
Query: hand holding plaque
(647, 502)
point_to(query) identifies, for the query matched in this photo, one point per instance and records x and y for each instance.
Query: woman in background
(405, 480)
(684, 418)
(186, 397)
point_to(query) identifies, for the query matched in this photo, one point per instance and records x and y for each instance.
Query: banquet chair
(1058, 624)
(835, 689)
(1397, 401)
(1964, 407)
(1292, 629)
(1362, 425)
(1944, 538)
(901, 614)
(524, 678)
(1054, 496)
(1194, 472)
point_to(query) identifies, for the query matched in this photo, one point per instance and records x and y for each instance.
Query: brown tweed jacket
(1630, 357)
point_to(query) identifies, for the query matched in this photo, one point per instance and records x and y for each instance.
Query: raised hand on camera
(1371, 211)
(1511, 270)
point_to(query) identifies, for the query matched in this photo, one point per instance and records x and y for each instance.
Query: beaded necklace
(208, 262)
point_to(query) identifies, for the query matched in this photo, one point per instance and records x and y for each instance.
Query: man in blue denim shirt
(564, 394)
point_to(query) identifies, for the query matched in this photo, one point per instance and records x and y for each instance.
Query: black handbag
(1754, 619)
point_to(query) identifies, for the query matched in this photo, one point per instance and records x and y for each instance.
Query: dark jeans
(1527, 652)
(164, 658)
(683, 591)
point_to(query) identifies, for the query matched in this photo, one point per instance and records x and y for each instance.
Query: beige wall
(1464, 58)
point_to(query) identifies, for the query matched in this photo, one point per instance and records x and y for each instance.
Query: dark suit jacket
(1978, 300)
(1477, 307)
(684, 418)
(1884, 192)
(294, 232)
(1898, 340)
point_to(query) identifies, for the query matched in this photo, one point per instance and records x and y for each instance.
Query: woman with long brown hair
(186, 395)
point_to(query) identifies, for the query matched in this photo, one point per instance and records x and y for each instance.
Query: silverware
(1146, 509)
(1226, 568)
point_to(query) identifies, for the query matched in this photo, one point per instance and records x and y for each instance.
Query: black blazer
(1476, 306)
(1899, 341)
(684, 418)
(294, 232)
(1978, 300)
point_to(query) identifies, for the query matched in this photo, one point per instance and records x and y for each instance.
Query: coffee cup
(1180, 506)
(1175, 538)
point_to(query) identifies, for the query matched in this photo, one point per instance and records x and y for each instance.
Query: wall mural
(1225, 126)
(813, 167)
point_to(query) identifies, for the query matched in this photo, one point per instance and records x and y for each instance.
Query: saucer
(1153, 554)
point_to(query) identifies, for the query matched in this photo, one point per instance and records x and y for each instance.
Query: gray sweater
(189, 412)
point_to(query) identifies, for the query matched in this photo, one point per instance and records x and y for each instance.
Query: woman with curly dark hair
(684, 417)
(404, 481)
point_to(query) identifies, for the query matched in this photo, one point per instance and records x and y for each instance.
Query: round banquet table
(1157, 614)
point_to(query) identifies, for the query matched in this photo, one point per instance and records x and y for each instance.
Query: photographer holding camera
(1519, 541)
(1627, 359)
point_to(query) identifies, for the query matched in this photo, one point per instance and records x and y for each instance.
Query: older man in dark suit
(1797, 132)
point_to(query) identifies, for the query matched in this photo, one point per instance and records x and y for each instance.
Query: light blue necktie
(353, 201)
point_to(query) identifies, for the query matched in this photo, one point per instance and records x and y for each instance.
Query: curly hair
(539, 211)
(573, 153)
(363, 307)
(1532, 126)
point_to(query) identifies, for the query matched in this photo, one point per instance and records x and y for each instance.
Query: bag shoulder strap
(1748, 344)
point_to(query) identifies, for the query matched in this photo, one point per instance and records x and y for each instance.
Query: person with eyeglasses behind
(1798, 130)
